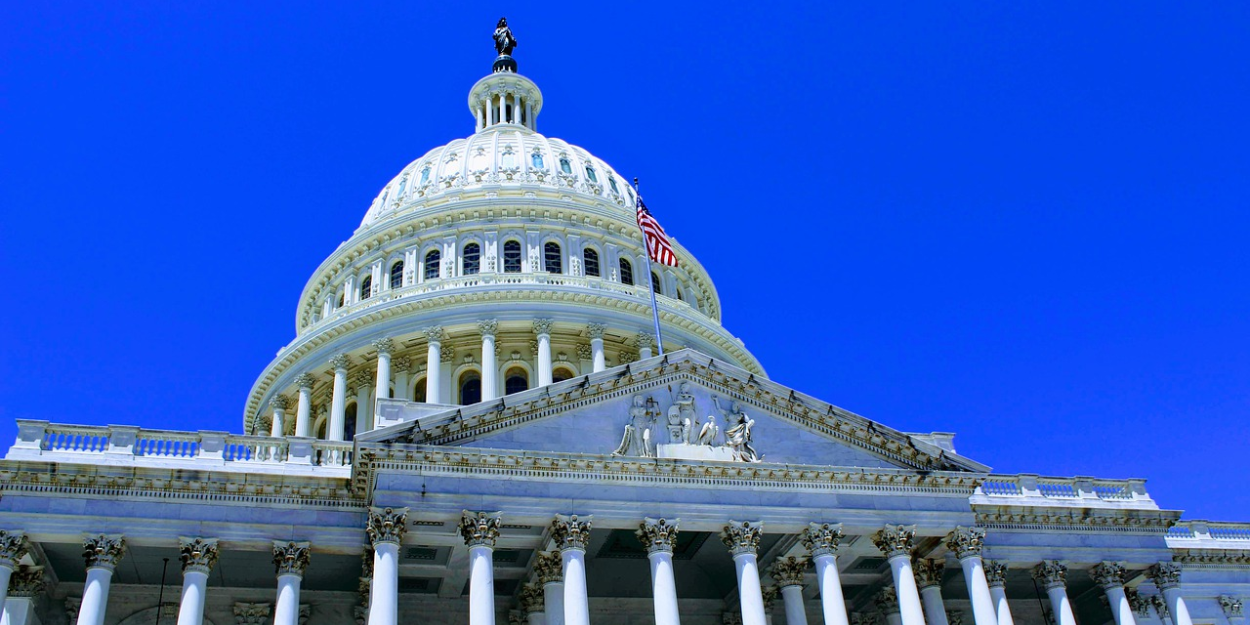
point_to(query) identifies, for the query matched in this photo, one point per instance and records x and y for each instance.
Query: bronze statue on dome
(504, 41)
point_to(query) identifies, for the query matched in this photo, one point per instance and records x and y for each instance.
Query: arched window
(551, 258)
(366, 287)
(565, 166)
(418, 391)
(515, 381)
(612, 181)
(590, 260)
(537, 160)
(425, 175)
(397, 275)
(561, 374)
(470, 388)
(655, 284)
(512, 257)
(431, 264)
(349, 422)
(471, 260)
(627, 272)
(590, 173)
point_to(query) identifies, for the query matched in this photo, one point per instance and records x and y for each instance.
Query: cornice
(1212, 557)
(1037, 518)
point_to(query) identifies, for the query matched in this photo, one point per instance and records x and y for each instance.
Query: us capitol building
(474, 422)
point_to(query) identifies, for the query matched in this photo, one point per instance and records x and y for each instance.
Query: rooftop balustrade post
(30, 434)
(212, 446)
(299, 450)
(1084, 487)
(1028, 484)
(122, 439)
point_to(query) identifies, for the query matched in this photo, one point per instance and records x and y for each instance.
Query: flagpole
(646, 253)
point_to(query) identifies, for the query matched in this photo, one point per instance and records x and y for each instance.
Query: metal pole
(655, 311)
(160, 597)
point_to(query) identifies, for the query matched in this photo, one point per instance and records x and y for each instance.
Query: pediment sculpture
(686, 437)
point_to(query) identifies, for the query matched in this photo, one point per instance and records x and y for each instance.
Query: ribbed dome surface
(501, 156)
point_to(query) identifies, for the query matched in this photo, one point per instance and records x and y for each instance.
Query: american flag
(658, 247)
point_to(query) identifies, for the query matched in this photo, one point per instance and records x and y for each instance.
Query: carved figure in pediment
(738, 431)
(681, 416)
(707, 435)
(636, 440)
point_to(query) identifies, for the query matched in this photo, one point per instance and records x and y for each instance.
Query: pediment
(659, 408)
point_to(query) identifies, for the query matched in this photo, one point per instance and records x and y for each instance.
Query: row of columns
(488, 330)
(505, 108)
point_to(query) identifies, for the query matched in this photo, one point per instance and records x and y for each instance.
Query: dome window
(385, 194)
(515, 381)
(397, 275)
(366, 287)
(590, 260)
(627, 272)
(655, 284)
(612, 183)
(431, 264)
(403, 184)
(471, 259)
(565, 166)
(512, 257)
(552, 261)
(536, 160)
(470, 388)
(590, 173)
(425, 175)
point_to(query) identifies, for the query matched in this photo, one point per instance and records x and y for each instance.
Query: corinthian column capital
(488, 327)
(887, 600)
(542, 326)
(290, 558)
(480, 528)
(532, 599)
(595, 330)
(103, 550)
(571, 532)
(1166, 575)
(340, 362)
(252, 613)
(742, 536)
(1051, 574)
(549, 568)
(384, 345)
(1231, 605)
(197, 554)
(13, 545)
(387, 525)
(996, 573)
(895, 540)
(305, 380)
(928, 572)
(644, 339)
(789, 571)
(966, 542)
(1136, 602)
(822, 539)
(434, 334)
(658, 535)
(27, 581)
(1108, 574)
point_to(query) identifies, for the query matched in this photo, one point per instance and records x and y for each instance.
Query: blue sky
(1021, 222)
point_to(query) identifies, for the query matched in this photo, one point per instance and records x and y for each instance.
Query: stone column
(743, 539)
(401, 366)
(277, 426)
(434, 365)
(102, 553)
(480, 530)
(645, 341)
(303, 415)
(533, 604)
(1167, 577)
(338, 403)
(1053, 577)
(490, 368)
(289, 559)
(821, 541)
(660, 537)
(966, 544)
(364, 390)
(1234, 613)
(27, 583)
(895, 541)
(769, 594)
(1160, 607)
(887, 601)
(551, 576)
(198, 556)
(542, 327)
(928, 574)
(788, 573)
(596, 330)
(996, 577)
(386, 529)
(571, 534)
(383, 380)
(13, 545)
(1110, 576)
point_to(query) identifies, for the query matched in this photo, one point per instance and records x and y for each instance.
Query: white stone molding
(197, 554)
(742, 536)
(386, 525)
(584, 352)
(290, 557)
(103, 550)
(895, 540)
(480, 528)
(789, 571)
(252, 613)
(928, 572)
(571, 531)
(658, 534)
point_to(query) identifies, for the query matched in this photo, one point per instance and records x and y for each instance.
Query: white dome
(505, 157)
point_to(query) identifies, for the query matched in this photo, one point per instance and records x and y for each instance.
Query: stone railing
(1031, 489)
(1209, 535)
(115, 444)
(511, 280)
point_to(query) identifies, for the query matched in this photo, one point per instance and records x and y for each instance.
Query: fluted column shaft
(490, 367)
(544, 357)
(303, 414)
(433, 373)
(383, 381)
(338, 401)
